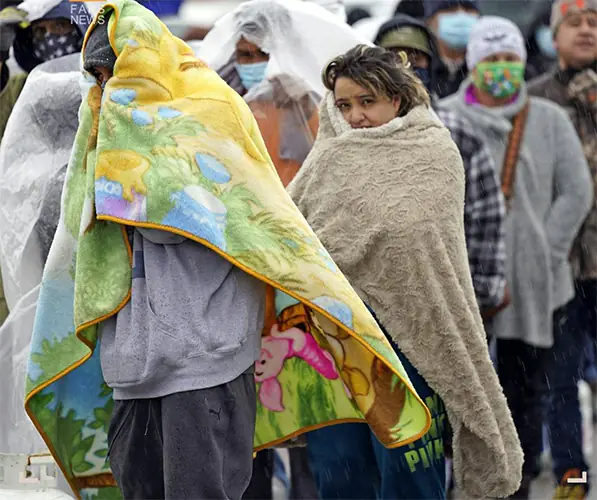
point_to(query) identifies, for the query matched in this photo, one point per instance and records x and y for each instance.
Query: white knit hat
(492, 35)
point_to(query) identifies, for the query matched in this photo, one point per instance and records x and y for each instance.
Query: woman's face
(361, 108)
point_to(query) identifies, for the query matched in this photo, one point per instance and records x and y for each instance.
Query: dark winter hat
(432, 7)
(408, 37)
(406, 25)
(98, 51)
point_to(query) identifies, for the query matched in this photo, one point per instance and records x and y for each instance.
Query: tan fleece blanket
(388, 204)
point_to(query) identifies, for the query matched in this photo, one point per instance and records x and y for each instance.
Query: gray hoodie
(194, 320)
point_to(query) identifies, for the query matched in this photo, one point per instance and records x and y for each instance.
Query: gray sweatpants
(195, 445)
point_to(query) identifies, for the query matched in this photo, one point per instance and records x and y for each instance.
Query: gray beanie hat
(492, 35)
(98, 52)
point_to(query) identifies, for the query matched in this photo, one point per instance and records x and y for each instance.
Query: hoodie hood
(23, 44)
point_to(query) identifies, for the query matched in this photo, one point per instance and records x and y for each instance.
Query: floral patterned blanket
(178, 150)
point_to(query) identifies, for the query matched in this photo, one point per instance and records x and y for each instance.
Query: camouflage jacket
(578, 95)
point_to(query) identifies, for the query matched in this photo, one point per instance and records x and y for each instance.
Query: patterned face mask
(499, 79)
(53, 45)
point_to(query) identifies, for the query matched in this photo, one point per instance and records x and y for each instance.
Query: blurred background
(191, 19)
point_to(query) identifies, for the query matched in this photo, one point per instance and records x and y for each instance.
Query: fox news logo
(80, 15)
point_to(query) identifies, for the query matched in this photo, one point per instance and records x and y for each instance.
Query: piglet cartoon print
(279, 346)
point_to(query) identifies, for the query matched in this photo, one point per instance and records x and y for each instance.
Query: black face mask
(53, 45)
(423, 74)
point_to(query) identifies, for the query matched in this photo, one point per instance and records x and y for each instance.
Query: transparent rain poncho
(34, 151)
(300, 38)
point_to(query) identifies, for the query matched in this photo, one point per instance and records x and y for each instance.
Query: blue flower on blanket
(199, 212)
(212, 169)
(123, 96)
(167, 113)
(142, 118)
(336, 308)
(109, 201)
(132, 42)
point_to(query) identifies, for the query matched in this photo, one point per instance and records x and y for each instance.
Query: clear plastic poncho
(35, 148)
(300, 38)
(369, 27)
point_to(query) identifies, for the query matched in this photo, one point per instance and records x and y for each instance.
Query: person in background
(284, 106)
(412, 8)
(356, 14)
(484, 209)
(35, 145)
(572, 84)
(404, 33)
(52, 35)
(540, 46)
(548, 191)
(10, 87)
(451, 21)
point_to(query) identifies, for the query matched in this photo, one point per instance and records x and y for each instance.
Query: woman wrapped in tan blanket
(383, 188)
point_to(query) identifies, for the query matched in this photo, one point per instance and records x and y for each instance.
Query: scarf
(387, 203)
(178, 150)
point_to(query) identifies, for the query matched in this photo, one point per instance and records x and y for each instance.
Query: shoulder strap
(512, 152)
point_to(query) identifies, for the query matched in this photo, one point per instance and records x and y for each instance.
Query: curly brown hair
(380, 71)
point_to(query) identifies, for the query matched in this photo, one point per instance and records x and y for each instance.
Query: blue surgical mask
(544, 39)
(454, 28)
(251, 74)
(423, 74)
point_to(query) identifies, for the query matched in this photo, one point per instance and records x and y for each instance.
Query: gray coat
(552, 196)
